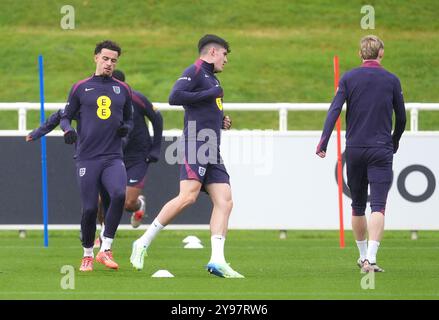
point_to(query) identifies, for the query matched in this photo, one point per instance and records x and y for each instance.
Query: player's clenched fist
(227, 123)
(70, 137)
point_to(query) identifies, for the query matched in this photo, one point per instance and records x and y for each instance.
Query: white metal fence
(281, 108)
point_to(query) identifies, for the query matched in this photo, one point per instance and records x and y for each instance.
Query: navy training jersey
(100, 105)
(371, 94)
(140, 145)
(199, 92)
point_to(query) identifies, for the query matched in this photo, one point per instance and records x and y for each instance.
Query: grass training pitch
(305, 265)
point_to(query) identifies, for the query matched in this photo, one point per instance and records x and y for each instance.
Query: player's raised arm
(156, 119)
(182, 93)
(400, 117)
(332, 116)
(127, 124)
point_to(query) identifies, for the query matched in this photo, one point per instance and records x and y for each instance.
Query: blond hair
(370, 47)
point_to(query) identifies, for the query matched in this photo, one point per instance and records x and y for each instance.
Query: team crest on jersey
(116, 89)
(201, 171)
(82, 171)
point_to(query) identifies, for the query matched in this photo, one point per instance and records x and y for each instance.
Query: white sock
(88, 252)
(362, 247)
(151, 233)
(372, 250)
(102, 230)
(217, 242)
(106, 244)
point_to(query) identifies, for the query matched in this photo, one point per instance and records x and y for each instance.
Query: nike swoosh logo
(132, 181)
(88, 89)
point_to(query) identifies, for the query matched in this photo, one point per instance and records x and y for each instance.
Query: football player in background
(372, 95)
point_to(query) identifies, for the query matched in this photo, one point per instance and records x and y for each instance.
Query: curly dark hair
(108, 44)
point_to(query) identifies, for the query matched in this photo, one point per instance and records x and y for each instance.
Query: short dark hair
(119, 75)
(108, 44)
(211, 38)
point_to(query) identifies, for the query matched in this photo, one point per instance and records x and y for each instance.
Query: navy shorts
(369, 167)
(136, 172)
(207, 170)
